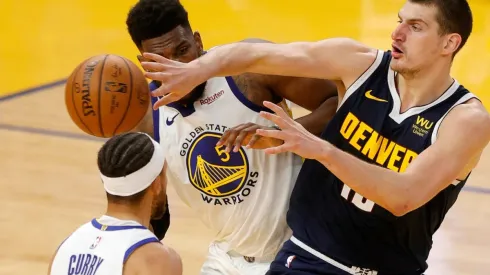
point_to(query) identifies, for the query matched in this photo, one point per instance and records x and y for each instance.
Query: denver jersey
(333, 219)
(242, 197)
(100, 247)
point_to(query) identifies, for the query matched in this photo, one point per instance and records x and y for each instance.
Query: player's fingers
(152, 66)
(277, 150)
(272, 133)
(223, 138)
(156, 58)
(163, 90)
(253, 140)
(279, 121)
(243, 134)
(232, 135)
(164, 101)
(276, 109)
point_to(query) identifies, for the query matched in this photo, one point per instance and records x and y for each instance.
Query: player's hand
(177, 78)
(295, 137)
(244, 135)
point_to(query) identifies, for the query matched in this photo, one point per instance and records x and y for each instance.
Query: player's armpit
(463, 135)
(153, 259)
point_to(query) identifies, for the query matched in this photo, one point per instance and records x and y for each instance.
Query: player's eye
(416, 27)
(183, 50)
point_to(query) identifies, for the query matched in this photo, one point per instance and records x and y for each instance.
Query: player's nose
(398, 33)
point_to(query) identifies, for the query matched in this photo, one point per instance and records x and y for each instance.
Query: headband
(138, 180)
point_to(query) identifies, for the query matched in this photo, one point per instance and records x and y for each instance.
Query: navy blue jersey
(334, 220)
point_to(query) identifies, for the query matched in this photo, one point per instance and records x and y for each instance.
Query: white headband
(138, 180)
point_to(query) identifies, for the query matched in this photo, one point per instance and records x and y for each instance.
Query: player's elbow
(400, 208)
(405, 199)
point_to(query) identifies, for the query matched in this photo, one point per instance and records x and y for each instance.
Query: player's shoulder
(470, 116)
(154, 258)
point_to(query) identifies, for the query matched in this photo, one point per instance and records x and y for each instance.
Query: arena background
(48, 181)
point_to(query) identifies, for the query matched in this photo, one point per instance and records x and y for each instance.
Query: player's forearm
(229, 59)
(317, 120)
(384, 187)
(261, 58)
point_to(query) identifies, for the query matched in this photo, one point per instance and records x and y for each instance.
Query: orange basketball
(107, 95)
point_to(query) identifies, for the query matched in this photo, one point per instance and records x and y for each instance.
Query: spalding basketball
(107, 95)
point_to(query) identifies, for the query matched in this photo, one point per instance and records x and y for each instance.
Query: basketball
(106, 95)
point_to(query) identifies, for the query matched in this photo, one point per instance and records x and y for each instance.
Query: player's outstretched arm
(153, 259)
(341, 59)
(462, 136)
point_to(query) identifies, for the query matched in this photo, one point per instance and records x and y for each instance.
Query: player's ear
(156, 186)
(451, 43)
(197, 38)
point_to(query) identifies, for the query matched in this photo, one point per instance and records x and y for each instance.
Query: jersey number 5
(225, 156)
(358, 200)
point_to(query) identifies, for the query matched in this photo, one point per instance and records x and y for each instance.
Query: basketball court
(49, 177)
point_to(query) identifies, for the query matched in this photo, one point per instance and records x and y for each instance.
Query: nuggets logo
(222, 178)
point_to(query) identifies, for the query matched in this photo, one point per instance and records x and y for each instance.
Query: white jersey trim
(438, 124)
(363, 78)
(395, 111)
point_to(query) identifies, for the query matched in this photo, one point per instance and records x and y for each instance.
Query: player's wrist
(207, 67)
(326, 152)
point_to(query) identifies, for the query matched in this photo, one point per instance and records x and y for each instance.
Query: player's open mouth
(396, 52)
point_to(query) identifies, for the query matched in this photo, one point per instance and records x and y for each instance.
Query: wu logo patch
(422, 126)
(422, 122)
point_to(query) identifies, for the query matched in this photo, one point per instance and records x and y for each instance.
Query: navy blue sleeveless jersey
(331, 218)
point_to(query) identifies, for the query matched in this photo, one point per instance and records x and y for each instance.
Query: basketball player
(240, 194)
(390, 164)
(131, 167)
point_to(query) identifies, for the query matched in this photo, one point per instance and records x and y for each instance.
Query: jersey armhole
(462, 100)
(362, 78)
(137, 245)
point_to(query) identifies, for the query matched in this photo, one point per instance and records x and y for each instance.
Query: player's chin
(397, 66)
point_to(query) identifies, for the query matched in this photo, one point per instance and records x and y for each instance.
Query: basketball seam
(99, 96)
(130, 95)
(73, 100)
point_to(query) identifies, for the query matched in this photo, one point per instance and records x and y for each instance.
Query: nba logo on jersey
(96, 242)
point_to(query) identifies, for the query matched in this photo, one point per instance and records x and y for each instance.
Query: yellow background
(43, 40)
(48, 172)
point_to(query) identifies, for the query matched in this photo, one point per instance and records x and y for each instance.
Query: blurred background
(48, 177)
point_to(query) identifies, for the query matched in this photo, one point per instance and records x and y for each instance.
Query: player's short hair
(152, 18)
(454, 16)
(122, 155)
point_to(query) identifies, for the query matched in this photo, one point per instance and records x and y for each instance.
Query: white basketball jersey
(244, 196)
(100, 247)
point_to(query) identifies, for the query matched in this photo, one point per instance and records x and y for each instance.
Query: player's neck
(423, 87)
(127, 212)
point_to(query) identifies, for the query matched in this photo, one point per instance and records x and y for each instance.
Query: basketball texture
(107, 95)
